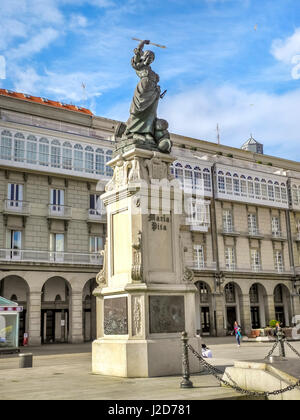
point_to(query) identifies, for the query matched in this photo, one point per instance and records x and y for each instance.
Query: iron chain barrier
(186, 383)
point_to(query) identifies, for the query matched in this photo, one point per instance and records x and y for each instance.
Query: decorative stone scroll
(136, 315)
(101, 277)
(137, 267)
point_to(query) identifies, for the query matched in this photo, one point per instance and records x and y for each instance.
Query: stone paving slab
(75, 381)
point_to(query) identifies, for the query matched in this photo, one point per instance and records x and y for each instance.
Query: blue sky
(235, 63)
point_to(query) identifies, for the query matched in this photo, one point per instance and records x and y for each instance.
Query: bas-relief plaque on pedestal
(166, 314)
(115, 316)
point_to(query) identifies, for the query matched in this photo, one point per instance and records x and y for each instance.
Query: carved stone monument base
(141, 358)
(144, 299)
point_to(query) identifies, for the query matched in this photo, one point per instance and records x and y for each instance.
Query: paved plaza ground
(63, 371)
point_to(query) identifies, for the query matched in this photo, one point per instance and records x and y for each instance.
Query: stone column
(295, 305)
(245, 314)
(218, 308)
(76, 330)
(270, 306)
(34, 318)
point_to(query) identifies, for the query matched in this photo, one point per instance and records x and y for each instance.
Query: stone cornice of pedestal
(120, 193)
(150, 288)
(142, 153)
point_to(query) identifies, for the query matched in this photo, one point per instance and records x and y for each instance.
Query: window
(253, 293)
(270, 190)
(55, 154)
(230, 258)
(188, 178)
(230, 293)
(278, 261)
(198, 213)
(221, 182)
(100, 167)
(264, 192)
(179, 172)
(15, 195)
(109, 171)
(277, 191)
(57, 202)
(57, 247)
(197, 179)
(44, 152)
(15, 244)
(67, 156)
(236, 184)
(252, 224)
(250, 187)
(19, 147)
(227, 221)
(228, 183)
(96, 205)
(203, 291)
(243, 186)
(6, 145)
(255, 259)
(257, 189)
(96, 244)
(278, 294)
(31, 149)
(198, 256)
(89, 159)
(275, 226)
(283, 192)
(78, 157)
(206, 179)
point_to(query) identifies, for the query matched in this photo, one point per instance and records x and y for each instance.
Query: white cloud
(284, 49)
(78, 21)
(272, 118)
(34, 44)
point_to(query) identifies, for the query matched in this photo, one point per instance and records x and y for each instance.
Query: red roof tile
(44, 101)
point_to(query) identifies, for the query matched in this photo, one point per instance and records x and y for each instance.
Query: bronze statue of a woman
(143, 126)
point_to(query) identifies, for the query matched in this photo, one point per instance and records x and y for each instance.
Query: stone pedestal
(144, 299)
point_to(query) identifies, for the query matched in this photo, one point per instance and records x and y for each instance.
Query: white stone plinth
(142, 358)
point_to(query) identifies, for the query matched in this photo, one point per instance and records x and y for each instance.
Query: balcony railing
(59, 211)
(50, 257)
(96, 216)
(254, 232)
(201, 265)
(256, 269)
(16, 207)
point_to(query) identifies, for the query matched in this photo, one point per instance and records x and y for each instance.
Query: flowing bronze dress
(143, 109)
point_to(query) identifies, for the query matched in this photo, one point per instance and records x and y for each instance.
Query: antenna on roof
(218, 134)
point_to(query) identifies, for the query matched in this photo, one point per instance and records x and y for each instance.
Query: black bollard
(25, 360)
(185, 383)
(280, 338)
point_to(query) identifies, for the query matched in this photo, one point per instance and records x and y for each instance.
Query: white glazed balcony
(31, 256)
(16, 207)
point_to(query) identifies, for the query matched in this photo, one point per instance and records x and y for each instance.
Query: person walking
(237, 332)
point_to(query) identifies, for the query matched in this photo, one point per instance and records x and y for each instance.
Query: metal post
(185, 383)
(280, 337)
(25, 360)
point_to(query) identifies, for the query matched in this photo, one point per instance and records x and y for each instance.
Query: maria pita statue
(143, 128)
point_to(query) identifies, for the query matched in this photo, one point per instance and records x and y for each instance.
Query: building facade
(242, 241)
